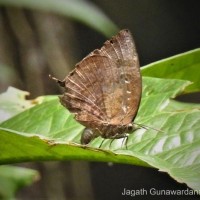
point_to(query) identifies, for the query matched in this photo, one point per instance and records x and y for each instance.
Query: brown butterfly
(104, 89)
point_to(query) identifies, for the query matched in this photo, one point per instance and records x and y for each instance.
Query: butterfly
(104, 90)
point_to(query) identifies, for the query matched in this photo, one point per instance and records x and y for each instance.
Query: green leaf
(80, 10)
(13, 101)
(49, 132)
(13, 178)
(183, 66)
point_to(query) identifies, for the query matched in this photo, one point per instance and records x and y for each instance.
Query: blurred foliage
(38, 39)
(43, 40)
(80, 10)
(13, 179)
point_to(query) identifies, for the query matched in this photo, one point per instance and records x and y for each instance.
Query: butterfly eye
(130, 127)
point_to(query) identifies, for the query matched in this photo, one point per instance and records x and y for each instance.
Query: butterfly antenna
(61, 83)
(148, 127)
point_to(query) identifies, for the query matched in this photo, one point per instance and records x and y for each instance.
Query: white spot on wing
(124, 108)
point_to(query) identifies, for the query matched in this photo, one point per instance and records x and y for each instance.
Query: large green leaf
(80, 10)
(49, 132)
(183, 66)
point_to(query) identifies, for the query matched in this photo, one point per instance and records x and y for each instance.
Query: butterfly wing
(121, 50)
(86, 89)
(105, 86)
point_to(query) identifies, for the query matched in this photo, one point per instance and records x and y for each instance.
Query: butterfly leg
(101, 143)
(119, 136)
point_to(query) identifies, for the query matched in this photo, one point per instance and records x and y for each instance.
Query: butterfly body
(104, 89)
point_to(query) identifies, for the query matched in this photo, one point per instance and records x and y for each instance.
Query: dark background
(161, 29)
